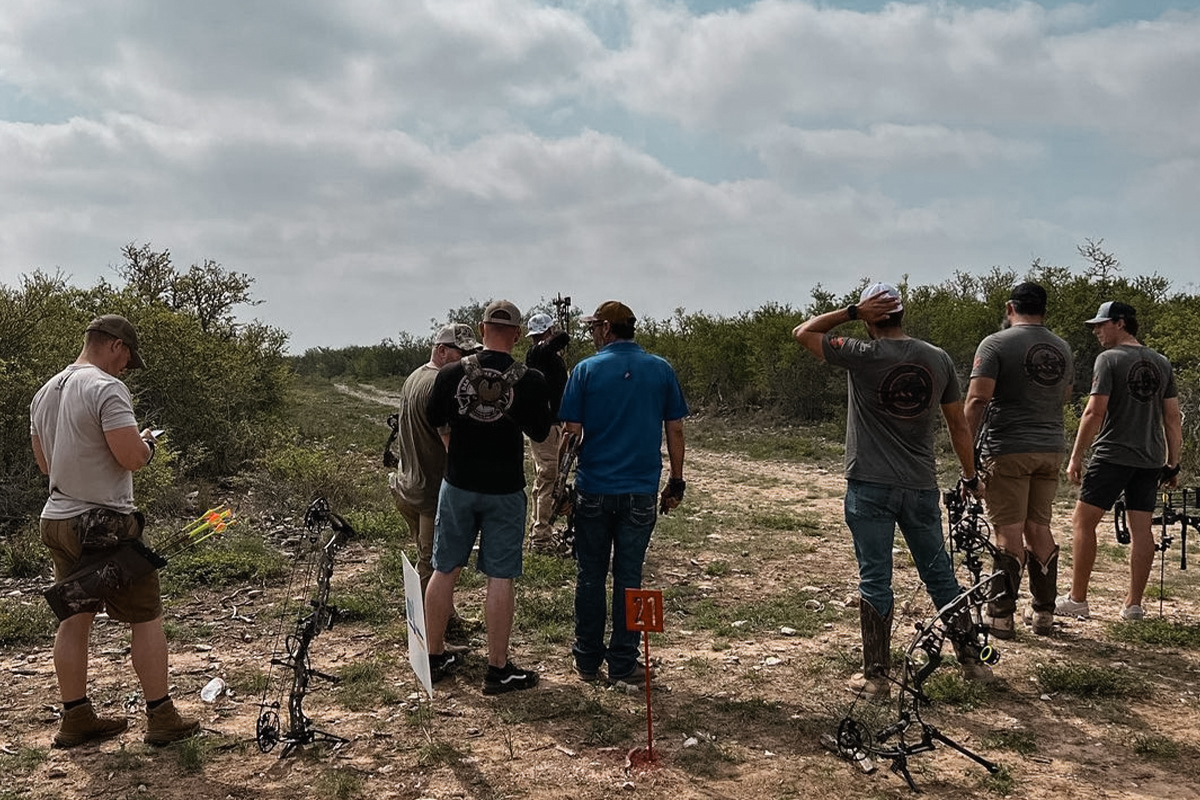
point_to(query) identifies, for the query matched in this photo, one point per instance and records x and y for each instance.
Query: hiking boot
(1042, 622)
(636, 677)
(509, 678)
(80, 724)
(459, 629)
(443, 664)
(1002, 627)
(1066, 606)
(1133, 613)
(166, 726)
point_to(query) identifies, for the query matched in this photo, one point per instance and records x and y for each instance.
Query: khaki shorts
(1021, 486)
(141, 601)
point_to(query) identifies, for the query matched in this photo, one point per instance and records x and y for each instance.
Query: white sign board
(414, 611)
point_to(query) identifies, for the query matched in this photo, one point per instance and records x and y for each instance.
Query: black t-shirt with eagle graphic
(488, 401)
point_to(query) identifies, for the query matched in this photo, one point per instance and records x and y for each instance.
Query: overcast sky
(374, 163)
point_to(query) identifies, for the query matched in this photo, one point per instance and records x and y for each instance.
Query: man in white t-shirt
(86, 439)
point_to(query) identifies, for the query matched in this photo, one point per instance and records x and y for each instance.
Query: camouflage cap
(459, 336)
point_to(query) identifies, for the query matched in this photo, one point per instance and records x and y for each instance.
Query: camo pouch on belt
(111, 557)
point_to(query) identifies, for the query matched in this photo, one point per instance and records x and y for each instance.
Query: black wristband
(852, 311)
(153, 449)
(1167, 473)
(970, 484)
(676, 486)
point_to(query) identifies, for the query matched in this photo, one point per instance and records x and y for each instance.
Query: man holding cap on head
(421, 451)
(85, 437)
(482, 405)
(1021, 377)
(1134, 422)
(546, 357)
(620, 402)
(897, 387)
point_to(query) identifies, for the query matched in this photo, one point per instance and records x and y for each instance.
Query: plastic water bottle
(212, 690)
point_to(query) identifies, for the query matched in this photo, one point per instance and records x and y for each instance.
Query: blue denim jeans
(873, 510)
(609, 528)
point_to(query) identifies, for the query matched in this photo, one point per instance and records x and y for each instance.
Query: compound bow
(961, 622)
(562, 497)
(322, 617)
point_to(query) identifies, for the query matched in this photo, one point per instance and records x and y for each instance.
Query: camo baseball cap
(882, 288)
(118, 327)
(502, 312)
(539, 323)
(459, 336)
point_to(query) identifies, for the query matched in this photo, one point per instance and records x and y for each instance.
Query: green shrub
(25, 622)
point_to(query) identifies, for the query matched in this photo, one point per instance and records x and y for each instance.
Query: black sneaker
(509, 678)
(442, 664)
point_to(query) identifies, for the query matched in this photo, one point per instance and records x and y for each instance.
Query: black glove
(672, 495)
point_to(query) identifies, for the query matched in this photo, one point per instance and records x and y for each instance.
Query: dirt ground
(737, 714)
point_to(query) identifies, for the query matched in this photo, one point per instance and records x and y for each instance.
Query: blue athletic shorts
(497, 519)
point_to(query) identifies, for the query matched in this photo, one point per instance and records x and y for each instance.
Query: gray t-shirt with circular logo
(897, 388)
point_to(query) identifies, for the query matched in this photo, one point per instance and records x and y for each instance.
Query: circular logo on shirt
(1045, 365)
(1144, 381)
(906, 391)
(486, 398)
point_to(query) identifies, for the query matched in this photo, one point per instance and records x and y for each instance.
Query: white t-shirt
(70, 416)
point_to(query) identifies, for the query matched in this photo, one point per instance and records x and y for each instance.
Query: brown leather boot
(1001, 608)
(166, 726)
(1043, 578)
(872, 682)
(81, 724)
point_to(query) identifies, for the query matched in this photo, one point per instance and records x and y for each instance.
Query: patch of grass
(717, 568)
(807, 521)
(367, 603)
(363, 685)
(1019, 741)
(548, 617)
(22, 554)
(818, 442)
(248, 681)
(765, 614)
(547, 572)
(1001, 783)
(26, 760)
(1158, 632)
(438, 752)
(232, 559)
(1152, 745)
(339, 784)
(176, 631)
(25, 622)
(950, 688)
(1083, 680)
(193, 753)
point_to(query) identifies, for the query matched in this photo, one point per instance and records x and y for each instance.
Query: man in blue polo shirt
(619, 401)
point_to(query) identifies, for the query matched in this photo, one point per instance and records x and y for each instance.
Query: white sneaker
(1066, 606)
(1133, 613)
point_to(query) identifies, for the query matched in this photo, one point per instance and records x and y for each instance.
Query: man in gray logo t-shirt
(897, 387)
(1021, 377)
(1134, 422)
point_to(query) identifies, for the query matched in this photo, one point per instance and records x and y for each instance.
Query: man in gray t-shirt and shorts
(1021, 377)
(1134, 422)
(897, 387)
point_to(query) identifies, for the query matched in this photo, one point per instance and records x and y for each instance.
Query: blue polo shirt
(622, 396)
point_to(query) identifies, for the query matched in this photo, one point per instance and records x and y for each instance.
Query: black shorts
(1104, 482)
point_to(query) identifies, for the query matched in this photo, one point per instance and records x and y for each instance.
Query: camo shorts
(98, 530)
